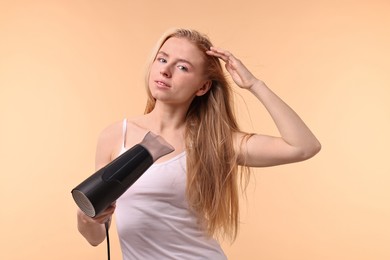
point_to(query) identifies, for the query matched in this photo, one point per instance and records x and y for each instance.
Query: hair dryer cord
(107, 225)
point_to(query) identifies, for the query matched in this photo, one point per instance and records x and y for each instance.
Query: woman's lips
(162, 84)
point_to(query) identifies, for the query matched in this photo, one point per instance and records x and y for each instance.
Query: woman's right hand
(102, 218)
(92, 228)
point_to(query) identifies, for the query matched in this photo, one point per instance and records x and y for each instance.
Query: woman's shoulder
(135, 131)
(109, 139)
(120, 134)
(118, 128)
(111, 130)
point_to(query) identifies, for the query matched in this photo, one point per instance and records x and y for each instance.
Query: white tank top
(154, 221)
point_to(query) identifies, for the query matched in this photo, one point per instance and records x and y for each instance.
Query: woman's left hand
(239, 73)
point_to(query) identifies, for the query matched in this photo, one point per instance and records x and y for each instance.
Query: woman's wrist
(257, 85)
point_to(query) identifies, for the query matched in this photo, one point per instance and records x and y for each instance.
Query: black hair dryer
(105, 186)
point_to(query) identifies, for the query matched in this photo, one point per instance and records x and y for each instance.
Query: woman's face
(177, 73)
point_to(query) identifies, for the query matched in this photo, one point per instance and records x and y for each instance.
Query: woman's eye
(162, 60)
(181, 67)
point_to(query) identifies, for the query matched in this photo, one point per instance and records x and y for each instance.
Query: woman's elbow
(311, 150)
(95, 243)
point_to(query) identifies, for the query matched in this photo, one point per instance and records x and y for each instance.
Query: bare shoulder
(126, 132)
(108, 144)
(135, 131)
(111, 133)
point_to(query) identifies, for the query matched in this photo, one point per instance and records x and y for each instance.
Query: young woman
(189, 198)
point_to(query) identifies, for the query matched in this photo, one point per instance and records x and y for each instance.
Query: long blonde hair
(212, 169)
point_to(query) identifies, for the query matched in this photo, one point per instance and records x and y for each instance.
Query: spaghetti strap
(124, 129)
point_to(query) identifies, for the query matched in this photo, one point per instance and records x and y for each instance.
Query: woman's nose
(165, 71)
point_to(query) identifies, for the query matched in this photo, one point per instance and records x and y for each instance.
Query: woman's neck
(166, 120)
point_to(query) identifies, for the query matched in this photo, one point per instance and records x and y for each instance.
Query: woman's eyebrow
(163, 53)
(180, 60)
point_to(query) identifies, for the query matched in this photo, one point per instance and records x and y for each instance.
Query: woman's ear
(203, 90)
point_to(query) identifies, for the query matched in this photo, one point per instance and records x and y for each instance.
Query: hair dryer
(101, 189)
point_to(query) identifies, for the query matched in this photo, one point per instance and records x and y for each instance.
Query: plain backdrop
(69, 68)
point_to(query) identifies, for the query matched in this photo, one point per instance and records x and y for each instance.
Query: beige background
(69, 68)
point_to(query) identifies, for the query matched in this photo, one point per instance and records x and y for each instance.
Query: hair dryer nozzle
(156, 145)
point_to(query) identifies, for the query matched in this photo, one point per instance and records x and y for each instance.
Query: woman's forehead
(181, 48)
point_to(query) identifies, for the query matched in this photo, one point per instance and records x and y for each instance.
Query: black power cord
(107, 225)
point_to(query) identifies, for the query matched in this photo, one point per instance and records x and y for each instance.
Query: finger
(220, 53)
(102, 219)
(219, 50)
(107, 213)
(226, 56)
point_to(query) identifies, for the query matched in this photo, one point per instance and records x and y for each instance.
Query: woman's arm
(93, 229)
(296, 142)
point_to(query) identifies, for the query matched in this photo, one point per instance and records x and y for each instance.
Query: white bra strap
(124, 127)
